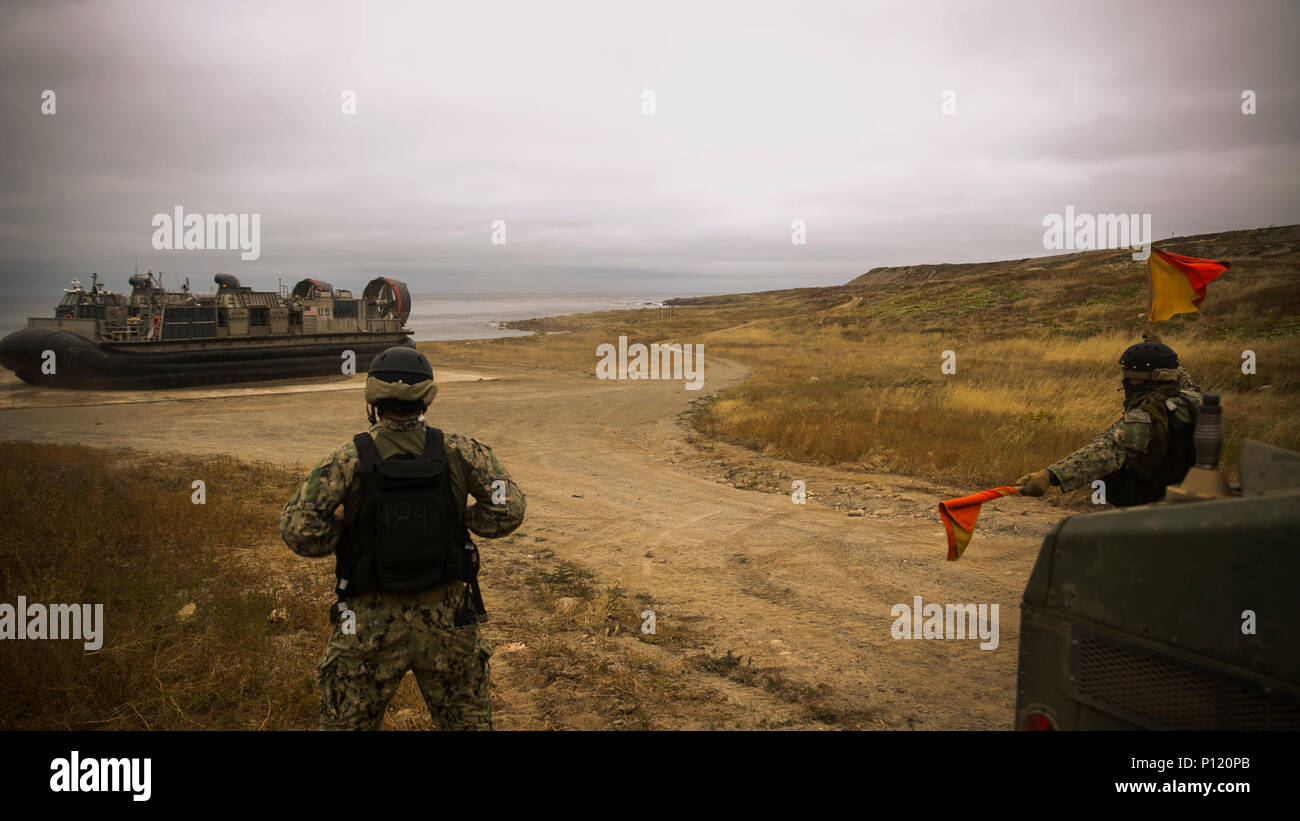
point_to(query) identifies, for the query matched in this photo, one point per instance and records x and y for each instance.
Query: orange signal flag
(959, 517)
(1178, 283)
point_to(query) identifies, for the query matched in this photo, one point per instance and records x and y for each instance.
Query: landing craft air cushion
(153, 338)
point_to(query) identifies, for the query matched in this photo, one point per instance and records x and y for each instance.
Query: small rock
(857, 512)
(512, 647)
(566, 604)
(186, 614)
(279, 614)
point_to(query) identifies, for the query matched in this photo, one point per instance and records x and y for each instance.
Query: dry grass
(98, 526)
(1014, 404)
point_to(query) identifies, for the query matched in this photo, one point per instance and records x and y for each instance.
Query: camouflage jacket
(310, 528)
(1139, 439)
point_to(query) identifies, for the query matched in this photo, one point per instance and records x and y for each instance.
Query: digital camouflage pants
(359, 673)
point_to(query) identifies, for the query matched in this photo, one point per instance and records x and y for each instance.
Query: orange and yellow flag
(1178, 283)
(959, 517)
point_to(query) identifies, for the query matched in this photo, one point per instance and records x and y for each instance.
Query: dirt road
(615, 485)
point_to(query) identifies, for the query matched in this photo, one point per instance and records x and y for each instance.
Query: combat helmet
(1143, 360)
(399, 375)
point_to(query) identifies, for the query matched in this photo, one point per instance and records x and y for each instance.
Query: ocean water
(433, 316)
(472, 316)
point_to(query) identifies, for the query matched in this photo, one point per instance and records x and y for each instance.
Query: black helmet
(401, 364)
(1140, 359)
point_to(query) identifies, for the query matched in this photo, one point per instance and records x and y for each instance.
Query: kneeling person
(403, 555)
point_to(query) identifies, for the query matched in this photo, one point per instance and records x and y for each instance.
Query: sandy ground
(616, 485)
(15, 394)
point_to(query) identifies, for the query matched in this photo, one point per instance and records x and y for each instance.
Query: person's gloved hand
(1034, 484)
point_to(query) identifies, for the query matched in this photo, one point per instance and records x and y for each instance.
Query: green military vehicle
(1179, 615)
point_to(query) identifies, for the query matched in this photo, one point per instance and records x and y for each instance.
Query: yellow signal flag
(1179, 283)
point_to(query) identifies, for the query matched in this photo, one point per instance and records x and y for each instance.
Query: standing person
(1149, 448)
(406, 568)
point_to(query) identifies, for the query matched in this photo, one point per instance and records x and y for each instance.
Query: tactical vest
(407, 535)
(1143, 480)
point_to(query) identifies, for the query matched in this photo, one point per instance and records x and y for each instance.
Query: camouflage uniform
(359, 672)
(1132, 451)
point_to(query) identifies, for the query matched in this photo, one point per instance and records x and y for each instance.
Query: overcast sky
(532, 113)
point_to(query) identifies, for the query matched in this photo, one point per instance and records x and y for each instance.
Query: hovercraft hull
(79, 363)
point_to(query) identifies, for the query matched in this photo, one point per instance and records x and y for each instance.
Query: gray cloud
(531, 113)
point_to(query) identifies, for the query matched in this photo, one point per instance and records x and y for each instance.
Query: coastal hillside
(851, 375)
(1281, 241)
(1067, 294)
